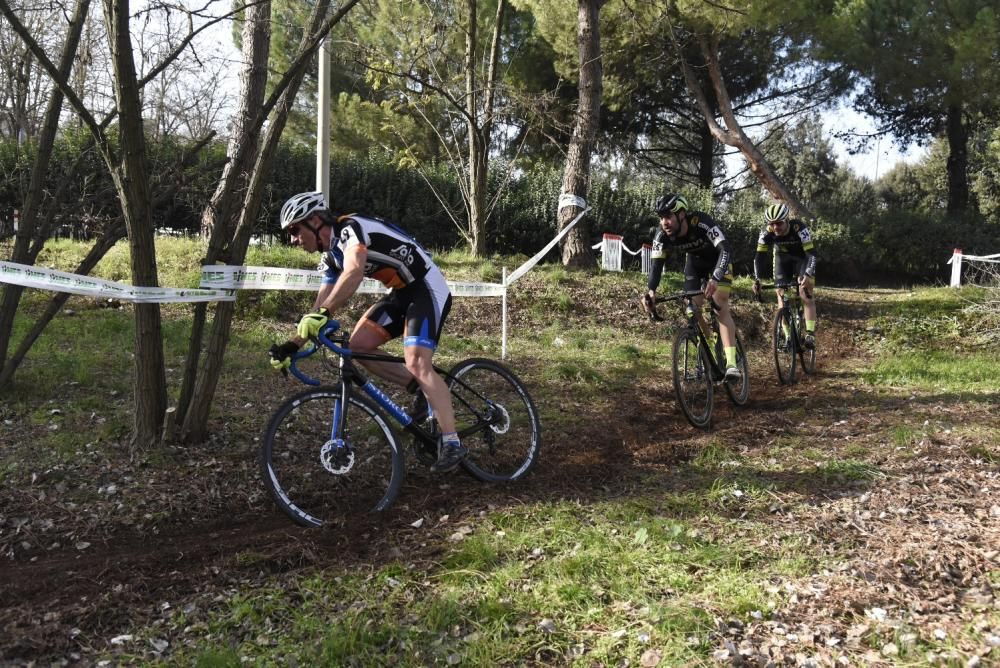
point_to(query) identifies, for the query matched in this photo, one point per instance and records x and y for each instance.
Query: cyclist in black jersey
(794, 258)
(707, 259)
(355, 247)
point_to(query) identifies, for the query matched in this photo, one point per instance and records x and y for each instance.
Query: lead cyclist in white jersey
(355, 247)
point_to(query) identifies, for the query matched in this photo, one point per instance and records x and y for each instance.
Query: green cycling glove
(311, 323)
(281, 356)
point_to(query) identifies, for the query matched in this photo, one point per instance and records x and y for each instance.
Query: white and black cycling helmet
(671, 203)
(301, 207)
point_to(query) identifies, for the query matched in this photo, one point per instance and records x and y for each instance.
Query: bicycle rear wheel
(739, 393)
(692, 378)
(505, 432)
(783, 347)
(315, 478)
(808, 355)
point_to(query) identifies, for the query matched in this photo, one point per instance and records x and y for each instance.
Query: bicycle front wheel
(783, 347)
(497, 419)
(739, 393)
(692, 378)
(316, 476)
(808, 354)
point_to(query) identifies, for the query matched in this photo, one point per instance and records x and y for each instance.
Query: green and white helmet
(775, 212)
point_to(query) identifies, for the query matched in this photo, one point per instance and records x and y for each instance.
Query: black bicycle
(788, 335)
(698, 365)
(332, 450)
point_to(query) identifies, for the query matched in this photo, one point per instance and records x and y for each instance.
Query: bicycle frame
(790, 314)
(691, 313)
(351, 375)
(790, 299)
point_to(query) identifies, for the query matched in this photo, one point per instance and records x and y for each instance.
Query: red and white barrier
(957, 258)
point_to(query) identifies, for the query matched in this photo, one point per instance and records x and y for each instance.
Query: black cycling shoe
(809, 342)
(450, 455)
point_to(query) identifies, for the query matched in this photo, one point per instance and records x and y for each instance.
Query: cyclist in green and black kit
(794, 257)
(707, 259)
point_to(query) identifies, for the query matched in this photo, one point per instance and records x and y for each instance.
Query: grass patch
(560, 583)
(942, 371)
(847, 470)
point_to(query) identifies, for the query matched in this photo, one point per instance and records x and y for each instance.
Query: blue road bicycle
(332, 450)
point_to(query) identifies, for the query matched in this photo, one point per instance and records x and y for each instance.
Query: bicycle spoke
(783, 347)
(739, 393)
(692, 378)
(497, 420)
(316, 478)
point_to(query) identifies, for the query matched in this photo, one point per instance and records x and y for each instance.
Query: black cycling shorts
(418, 310)
(787, 267)
(698, 271)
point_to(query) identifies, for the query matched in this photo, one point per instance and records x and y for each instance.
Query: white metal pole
(323, 121)
(503, 319)
(956, 268)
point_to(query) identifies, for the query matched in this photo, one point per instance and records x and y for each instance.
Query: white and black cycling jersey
(394, 258)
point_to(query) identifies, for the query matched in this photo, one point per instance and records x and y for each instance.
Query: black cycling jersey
(705, 243)
(796, 242)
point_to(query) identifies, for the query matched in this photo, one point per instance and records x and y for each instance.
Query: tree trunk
(195, 424)
(958, 160)
(32, 202)
(220, 216)
(733, 134)
(706, 159)
(576, 251)
(478, 172)
(479, 123)
(132, 184)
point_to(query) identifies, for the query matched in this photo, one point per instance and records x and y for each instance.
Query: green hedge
(856, 247)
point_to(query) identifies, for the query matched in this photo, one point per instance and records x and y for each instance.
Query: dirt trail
(921, 539)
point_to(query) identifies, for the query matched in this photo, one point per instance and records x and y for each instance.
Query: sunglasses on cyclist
(294, 230)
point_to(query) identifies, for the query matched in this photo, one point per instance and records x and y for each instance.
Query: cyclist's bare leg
(808, 299)
(368, 337)
(727, 328)
(418, 363)
(699, 301)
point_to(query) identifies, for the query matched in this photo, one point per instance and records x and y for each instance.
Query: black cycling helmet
(670, 203)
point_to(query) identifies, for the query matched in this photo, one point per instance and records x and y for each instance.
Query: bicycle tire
(739, 393)
(807, 355)
(783, 347)
(295, 475)
(692, 378)
(507, 448)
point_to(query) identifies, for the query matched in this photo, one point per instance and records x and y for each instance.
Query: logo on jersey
(403, 253)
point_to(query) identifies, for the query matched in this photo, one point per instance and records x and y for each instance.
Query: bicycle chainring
(336, 457)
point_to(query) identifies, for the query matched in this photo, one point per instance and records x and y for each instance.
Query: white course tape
(61, 281)
(526, 267)
(569, 199)
(233, 277)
